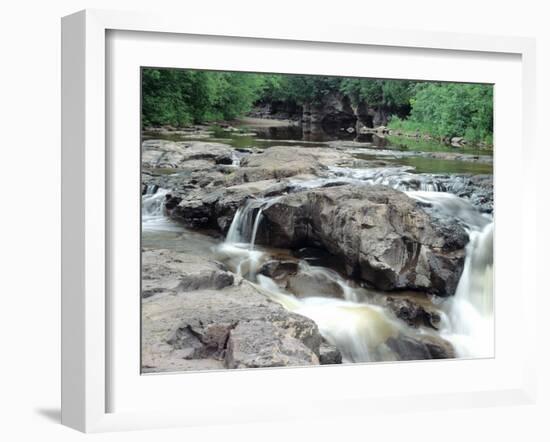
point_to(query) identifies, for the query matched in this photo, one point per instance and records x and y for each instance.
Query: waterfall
(326, 274)
(246, 222)
(152, 203)
(151, 189)
(247, 219)
(152, 210)
(469, 324)
(468, 315)
(235, 159)
(238, 246)
(257, 222)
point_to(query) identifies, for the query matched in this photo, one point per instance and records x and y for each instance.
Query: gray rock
(457, 141)
(215, 208)
(235, 327)
(412, 312)
(172, 154)
(278, 270)
(424, 347)
(305, 285)
(333, 110)
(329, 354)
(254, 344)
(383, 236)
(169, 272)
(279, 162)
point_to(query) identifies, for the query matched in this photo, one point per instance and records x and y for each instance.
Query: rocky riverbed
(282, 252)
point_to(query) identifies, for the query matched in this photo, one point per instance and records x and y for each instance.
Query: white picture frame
(87, 208)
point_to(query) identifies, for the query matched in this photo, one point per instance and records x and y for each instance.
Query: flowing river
(352, 320)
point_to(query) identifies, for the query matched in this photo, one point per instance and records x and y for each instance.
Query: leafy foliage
(451, 109)
(182, 97)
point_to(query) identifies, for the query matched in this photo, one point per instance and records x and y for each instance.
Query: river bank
(347, 250)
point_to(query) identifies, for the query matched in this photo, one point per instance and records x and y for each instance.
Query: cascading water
(159, 231)
(468, 319)
(400, 178)
(246, 221)
(241, 237)
(235, 158)
(360, 329)
(469, 324)
(152, 210)
(453, 207)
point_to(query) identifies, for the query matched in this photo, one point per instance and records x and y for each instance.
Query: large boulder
(384, 237)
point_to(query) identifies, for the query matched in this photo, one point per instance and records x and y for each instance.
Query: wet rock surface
(306, 284)
(413, 312)
(329, 354)
(417, 348)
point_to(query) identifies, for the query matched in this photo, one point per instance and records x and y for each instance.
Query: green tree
(453, 109)
(181, 97)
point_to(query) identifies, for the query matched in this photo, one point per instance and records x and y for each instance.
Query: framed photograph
(283, 223)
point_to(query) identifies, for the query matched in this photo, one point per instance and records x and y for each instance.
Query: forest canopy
(180, 97)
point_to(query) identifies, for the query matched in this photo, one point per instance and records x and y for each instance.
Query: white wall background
(30, 220)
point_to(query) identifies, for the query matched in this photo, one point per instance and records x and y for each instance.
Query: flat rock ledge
(165, 154)
(201, 325)
(169, 272)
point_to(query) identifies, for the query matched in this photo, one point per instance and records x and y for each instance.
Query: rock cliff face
(383, 236)
(336, 112)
